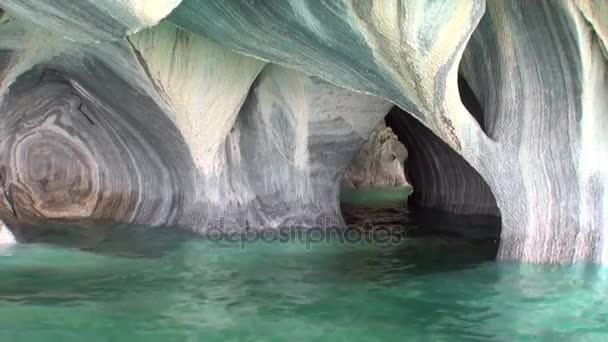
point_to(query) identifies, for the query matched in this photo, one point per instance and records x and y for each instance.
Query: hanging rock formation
(247, 112)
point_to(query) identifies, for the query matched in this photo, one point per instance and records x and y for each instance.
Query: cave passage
(430, 190)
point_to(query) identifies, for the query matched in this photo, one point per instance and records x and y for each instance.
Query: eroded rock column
(292, 141)
(539, 71)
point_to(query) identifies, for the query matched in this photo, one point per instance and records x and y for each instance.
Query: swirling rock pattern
(112, 132)
(539, 66)
(286, 154)
(398, 50)
(540, 75)
(215, 139)
(71, 155)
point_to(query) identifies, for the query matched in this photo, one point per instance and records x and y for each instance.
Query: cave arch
(441, 178)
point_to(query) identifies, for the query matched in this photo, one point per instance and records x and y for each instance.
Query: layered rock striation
(168, 128)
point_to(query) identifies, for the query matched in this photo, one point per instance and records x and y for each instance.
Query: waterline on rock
(6, 236)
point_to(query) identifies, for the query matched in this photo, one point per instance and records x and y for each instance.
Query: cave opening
(445, 195)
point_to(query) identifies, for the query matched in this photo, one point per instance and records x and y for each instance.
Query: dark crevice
(471, 103)
(441, 178)
(82, 109)
(450, 198)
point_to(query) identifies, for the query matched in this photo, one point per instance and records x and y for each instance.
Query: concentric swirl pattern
(67, 155)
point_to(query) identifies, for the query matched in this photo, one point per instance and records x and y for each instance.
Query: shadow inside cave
(451, 204)
(428, 240)
(108, 238)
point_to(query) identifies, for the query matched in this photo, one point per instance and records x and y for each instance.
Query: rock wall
(6, 237)
(538, 68)
(168, 128)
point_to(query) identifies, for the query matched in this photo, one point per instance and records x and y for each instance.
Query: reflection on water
(116, 239)
(417, 288)
(422, 222)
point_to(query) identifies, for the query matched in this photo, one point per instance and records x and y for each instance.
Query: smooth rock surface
(286, 154)
(91, 20)
(541, 78)
(406, 52)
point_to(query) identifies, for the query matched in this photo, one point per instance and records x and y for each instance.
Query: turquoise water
(375, 195)
(417, 289)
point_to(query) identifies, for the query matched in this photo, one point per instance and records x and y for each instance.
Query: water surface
(411, 288)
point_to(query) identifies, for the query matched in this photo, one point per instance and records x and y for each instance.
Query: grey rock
(380, 162)
(538, 68)
(141, 131)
